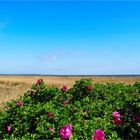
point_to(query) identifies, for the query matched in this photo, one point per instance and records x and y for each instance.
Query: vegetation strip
(85, 111)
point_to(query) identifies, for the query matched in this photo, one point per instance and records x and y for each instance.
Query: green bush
(43, 111)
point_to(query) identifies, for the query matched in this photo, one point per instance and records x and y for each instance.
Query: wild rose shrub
(84, 112)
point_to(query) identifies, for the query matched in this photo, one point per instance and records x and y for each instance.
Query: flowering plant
(85, 111)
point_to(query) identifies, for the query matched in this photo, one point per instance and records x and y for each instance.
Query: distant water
(127, 75)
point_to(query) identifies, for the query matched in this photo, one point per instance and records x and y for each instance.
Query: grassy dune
(11, 87)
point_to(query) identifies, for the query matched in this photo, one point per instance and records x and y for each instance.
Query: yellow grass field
(11, 87)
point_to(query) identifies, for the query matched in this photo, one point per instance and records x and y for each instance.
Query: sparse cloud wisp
(48, 58)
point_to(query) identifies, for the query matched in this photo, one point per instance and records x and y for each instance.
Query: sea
(127, 75)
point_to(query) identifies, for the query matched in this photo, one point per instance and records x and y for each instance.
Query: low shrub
(83, 112)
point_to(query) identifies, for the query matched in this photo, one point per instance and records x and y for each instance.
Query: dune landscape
(11, 87)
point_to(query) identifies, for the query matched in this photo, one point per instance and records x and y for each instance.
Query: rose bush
(84, 112)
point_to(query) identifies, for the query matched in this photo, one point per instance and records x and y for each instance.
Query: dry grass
(11, 87)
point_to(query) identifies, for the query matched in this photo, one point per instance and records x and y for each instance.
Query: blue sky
(70, 37)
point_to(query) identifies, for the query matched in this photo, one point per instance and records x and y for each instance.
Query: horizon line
(66, 75)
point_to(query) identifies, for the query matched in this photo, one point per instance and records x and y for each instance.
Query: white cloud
(48, 58)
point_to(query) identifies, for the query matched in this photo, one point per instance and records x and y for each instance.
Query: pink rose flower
(66, 102)
(116, 114)
(39, 81)
(117, 121)
(98, 135)
(50, 114)
(9, 129)
(51, 129)
(89, 88)
(64, 88)
(66, 131)
(19, 104)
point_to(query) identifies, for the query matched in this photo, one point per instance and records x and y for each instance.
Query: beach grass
(12, 87)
